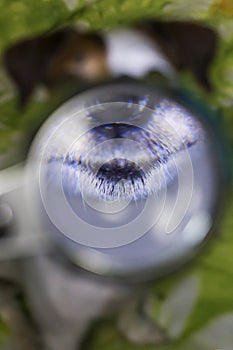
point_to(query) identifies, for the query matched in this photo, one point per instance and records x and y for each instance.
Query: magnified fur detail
(124, 178)
(122, 160)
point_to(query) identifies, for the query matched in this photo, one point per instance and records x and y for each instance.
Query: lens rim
(209, 120)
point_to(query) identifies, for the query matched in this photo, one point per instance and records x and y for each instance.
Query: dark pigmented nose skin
(119, 169)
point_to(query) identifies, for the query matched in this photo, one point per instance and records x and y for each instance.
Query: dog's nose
(114, 130)
(119, 169)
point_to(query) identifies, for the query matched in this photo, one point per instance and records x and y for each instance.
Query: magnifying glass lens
(126, 180)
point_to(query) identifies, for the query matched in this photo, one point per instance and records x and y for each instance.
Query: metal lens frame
(121, 260)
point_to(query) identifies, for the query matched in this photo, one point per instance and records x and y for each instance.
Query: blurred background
(205, 288)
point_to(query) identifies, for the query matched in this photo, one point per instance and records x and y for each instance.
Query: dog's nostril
(119, 169)
(113, 130)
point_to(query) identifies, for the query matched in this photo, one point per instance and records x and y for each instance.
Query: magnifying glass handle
(18, 238)
(11, 179)
(22, 247)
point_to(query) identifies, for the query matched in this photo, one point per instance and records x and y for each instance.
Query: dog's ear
(27, 61)
(187, 45)
(48, 58)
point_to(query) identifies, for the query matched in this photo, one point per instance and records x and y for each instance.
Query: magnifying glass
(125, 180)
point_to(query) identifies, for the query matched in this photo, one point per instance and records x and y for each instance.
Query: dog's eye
(127, 177)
